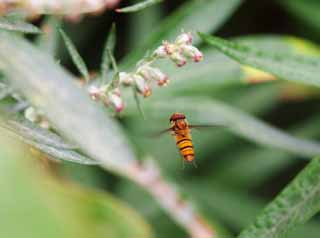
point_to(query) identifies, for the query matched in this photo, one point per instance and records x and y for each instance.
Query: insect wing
(160, 133)
(202, 127)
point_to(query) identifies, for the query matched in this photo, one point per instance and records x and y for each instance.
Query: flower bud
(153, 74)
(184, 38)
(114, 98)
(192, 52)
(31, 114)
(142, 86)
(169, 48)
(125, 78)
(178, 59)
(161, 52)
(95, 92)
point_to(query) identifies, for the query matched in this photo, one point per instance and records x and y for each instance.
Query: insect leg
(183, 164)
(194, 164)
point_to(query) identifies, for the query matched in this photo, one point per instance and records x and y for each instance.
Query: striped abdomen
(184, 143)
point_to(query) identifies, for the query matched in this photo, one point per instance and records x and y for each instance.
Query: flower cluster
(146, 75)
(108, 97)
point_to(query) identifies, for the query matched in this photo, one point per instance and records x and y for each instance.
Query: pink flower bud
(169, 48)
(178, 59)
(142, 86)
(184, 38)
(192, 52)
(114, 98)
(125, 78)
(153, 74)
(161, 52)
(164, 81)
(95, 93)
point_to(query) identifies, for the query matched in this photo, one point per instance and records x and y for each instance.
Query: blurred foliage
(270, 122)
(35, 204)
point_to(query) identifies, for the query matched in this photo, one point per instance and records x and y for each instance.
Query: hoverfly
(181, 130)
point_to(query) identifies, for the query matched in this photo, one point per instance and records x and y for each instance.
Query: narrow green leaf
(298, 68)
(76, 58)
(235, 207)
(12, 24)
(112, 60)
(214, 112)
(304, 10)
(70, 110)
(49, 40)
(45, 141)
(195, 15)
(106, 60)
(261, 165)
(295, 205)
(116, 78)
(139, 6)
(138, 103)
(33, 132)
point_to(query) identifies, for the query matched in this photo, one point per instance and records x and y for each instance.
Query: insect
(181, 131)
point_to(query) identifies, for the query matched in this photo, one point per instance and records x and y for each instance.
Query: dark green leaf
(106, 60)
(76, 58)
(214, 112)
(298, 68)
(295, 205)
(139, 6)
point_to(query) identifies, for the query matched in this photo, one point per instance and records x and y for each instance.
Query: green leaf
(298, 68)
(139, 6)
(59, 209)
(206, 111)
(138, 103)
(45, 141)
(305, 10)
(49, 40)
(106, 59)
(195, 15)
(18, 25)
(261, 165)
(5, 91)
(295, 205)
(33, 132)
(236, 208)
(76, 58)
(69, 109)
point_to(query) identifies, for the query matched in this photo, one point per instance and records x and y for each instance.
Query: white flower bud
(142, 86)
(191, 52)
(114, 98)
(31, 114)
(125, 78)
(153, 74)
(169, 48)
(95, 92)
(178, 58)
(184, 38)
(161, 52)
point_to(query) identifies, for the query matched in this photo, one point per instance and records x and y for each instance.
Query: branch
(148, 176)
